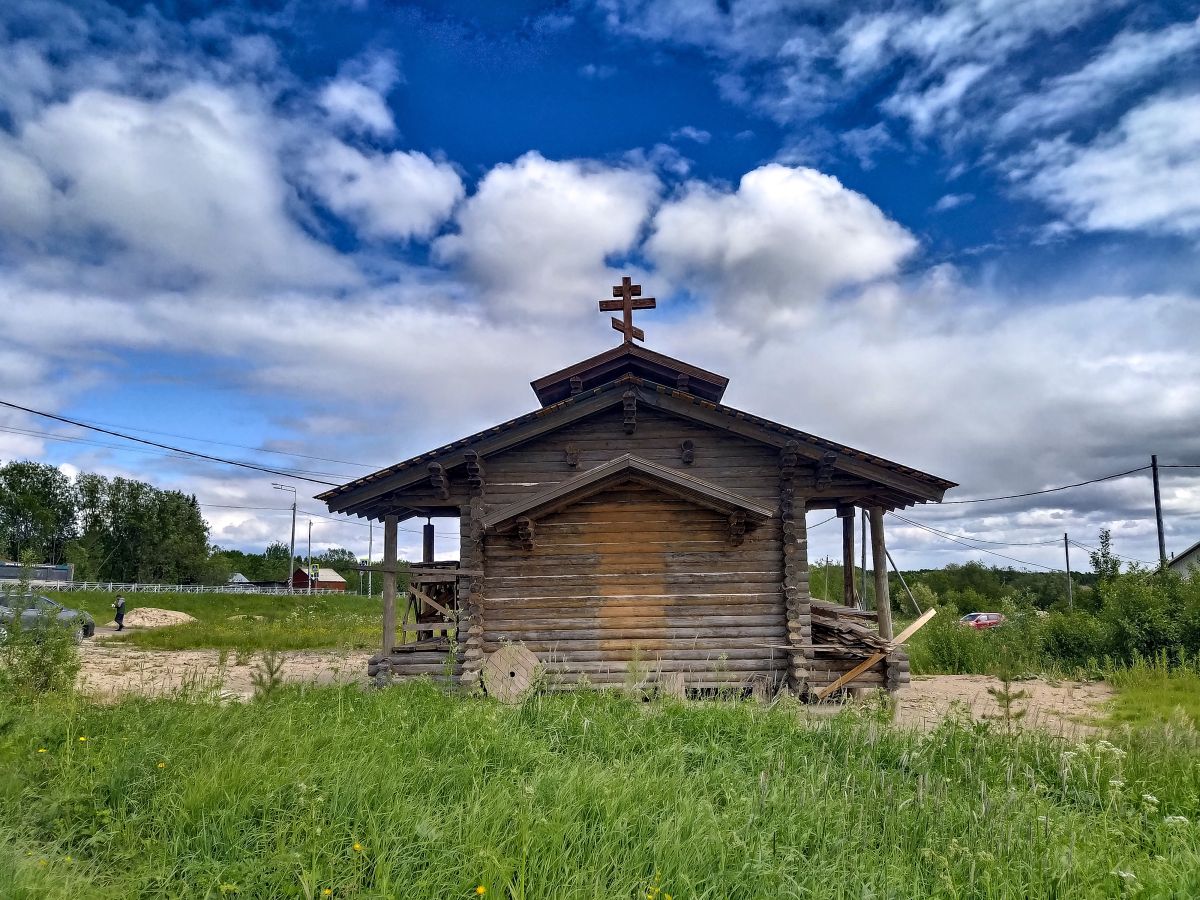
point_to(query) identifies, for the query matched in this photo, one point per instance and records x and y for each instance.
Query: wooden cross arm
(633, 329)
(618, 305)
(876, 657)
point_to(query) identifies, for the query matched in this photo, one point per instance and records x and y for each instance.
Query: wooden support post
(427, 542)
(883, 599)
(846, 514)
(389, 584)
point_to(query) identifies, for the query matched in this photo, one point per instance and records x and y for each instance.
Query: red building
(326, 580)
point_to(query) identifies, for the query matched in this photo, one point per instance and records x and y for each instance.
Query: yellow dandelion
(357, 847)
(328, 892)
(41, 862)
(82, 739)
(481, 890)
(41, 749)
(162, 765)
(67, 858)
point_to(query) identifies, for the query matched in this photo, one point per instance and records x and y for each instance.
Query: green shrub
(38, 660)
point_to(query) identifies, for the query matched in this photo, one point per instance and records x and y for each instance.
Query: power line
(1117, 555)
(985, 540)
(192, 453)
(971, 546)
(1053, 489)
(189, 437)
(307, 512)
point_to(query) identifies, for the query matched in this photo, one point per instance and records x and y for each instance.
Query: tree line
(121, 529)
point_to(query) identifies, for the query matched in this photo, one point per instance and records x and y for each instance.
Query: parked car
(37, 611)
(982, 620)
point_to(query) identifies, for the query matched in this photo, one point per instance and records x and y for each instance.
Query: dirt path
(1060, 707)
(111, 669)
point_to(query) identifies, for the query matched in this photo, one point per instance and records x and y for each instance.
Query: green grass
(413, 793)
(1153, 693)
(294, 622)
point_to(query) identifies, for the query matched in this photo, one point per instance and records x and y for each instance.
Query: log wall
(634, 582)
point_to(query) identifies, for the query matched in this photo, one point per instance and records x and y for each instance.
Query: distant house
(326, 580)
(1183, 562)
(238, 578)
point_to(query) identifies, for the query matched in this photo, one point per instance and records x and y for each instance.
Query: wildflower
(1116, 782)
(1176, 820)
(1127, 877)
(1149, 799)
(357, 847)
(162, 765)
(67, 858)
(41, 862)
(328, 892)
(82, 739)
(481, 890)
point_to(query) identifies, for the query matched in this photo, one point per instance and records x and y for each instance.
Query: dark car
(37, 611)
(982, 620)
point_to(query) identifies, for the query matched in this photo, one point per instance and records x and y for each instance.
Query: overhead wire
(1023, 562)
(1052, 490)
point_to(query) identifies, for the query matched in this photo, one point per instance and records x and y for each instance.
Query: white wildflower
(1176, 820)
(1149, 799)
(1116, 782)
(1125, 876)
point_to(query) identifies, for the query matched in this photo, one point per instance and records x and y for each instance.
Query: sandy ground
(111, 669)
(1060, 707)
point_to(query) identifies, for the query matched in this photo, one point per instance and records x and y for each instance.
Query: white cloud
(188, 184)
(356, 105)
(786, 238)
(1143, 175)
(933, 106)
(536, 234)
(1128, 59)
(952, 201)
(396, 195)
(867, 143)
(691, 133)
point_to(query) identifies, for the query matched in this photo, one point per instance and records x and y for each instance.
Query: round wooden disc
(509, 672)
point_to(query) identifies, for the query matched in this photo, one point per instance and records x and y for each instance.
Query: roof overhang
(622, 470)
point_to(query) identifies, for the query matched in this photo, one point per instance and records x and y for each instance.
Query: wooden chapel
(635, 527)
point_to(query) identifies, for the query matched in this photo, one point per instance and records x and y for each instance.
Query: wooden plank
(426, 599)
(876, 657)
(848, 595)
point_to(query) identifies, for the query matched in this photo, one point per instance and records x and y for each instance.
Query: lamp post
(292, 546)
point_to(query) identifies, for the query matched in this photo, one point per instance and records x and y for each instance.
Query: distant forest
(119, 529)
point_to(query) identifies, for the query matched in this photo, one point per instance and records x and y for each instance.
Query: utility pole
(292, 546)
(862, 601)
(370, 557)
(1162, 540)
(310, 578)
(1070, 588)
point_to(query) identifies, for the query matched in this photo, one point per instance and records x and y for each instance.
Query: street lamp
(292, 548)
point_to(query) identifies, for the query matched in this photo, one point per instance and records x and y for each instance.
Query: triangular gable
(621, 470)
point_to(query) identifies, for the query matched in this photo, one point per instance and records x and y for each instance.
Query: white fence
(127, 588)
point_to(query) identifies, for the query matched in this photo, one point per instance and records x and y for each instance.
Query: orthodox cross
(630, 298)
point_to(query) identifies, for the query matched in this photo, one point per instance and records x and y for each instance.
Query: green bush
(38, 660)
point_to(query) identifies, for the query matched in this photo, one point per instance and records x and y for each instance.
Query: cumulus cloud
(784, 239)
(536, 235)
(1144, 174)
(190, 184)
(397, 195)
(357, 98)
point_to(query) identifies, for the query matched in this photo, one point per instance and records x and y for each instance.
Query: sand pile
(149, 617)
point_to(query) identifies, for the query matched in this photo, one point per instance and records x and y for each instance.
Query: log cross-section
(737, 527)
(525, 529)
(475, 473)
(687, 452)
(629, 405)
(439, 481)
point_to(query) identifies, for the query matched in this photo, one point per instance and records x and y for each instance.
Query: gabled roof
(1180, 561)
(323, 574)
(367, 496)
(619, 471)
(629, 359)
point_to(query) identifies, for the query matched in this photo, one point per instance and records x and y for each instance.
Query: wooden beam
(389, 583)
(876, 657)
(883, 597)
(846, 514)
(429, 601)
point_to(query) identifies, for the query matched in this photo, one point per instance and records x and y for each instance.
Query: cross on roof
(630, 298)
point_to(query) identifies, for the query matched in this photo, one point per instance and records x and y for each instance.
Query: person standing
(119, 606)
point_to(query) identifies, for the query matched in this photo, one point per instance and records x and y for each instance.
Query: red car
(982, 620)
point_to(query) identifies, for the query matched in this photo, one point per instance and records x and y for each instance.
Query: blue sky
(962, 235)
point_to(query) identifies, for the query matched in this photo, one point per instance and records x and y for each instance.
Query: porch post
(389, 584)
(883, 599)
(846, 514)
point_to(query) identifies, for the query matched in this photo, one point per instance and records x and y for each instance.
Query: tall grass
(412, 793)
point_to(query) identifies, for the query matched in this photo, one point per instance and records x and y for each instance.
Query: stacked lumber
(842, 638)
